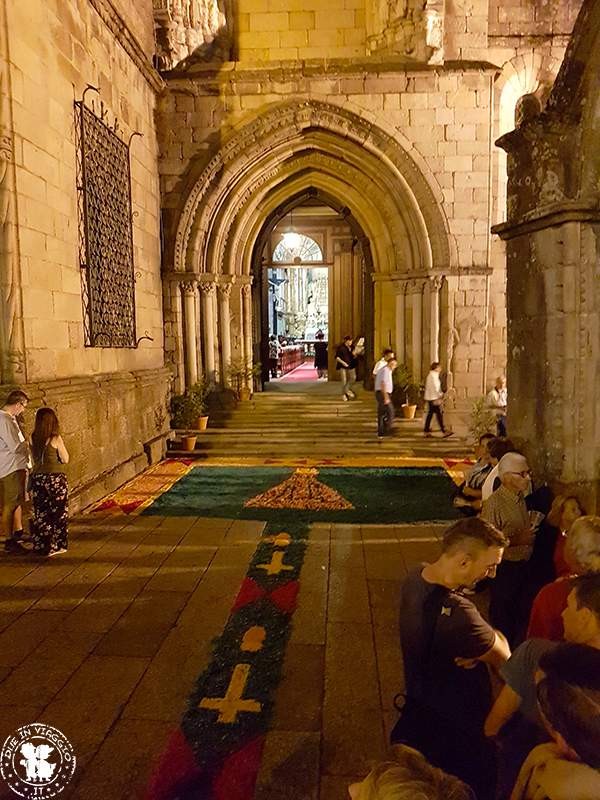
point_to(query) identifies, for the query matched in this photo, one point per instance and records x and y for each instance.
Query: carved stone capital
(188, 288)
(415, 286)
(246, 290)
(207, 288)
(400, 287)
(435, 283)
(224, 289)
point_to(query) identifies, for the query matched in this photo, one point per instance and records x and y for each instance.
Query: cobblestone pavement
(106, 641)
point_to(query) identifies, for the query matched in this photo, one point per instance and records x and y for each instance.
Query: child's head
(409, 777)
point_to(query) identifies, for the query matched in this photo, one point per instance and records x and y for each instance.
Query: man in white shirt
(434, 396)
(384, 386)
(385, 357)
(14, 456)
(497, 400)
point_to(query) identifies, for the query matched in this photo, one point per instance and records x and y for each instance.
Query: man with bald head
(506, 510)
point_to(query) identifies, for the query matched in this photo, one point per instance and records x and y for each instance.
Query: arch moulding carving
(288, 122)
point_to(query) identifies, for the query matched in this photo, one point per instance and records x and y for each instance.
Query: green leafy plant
(241, 374)
(187, 407)
(404, 383)
(482, 419)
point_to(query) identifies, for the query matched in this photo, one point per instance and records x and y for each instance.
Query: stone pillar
(435, 284)
(188, 289)
(247, 322)
(416, 292)
(224, 289)
(400, 321)
(207, 289)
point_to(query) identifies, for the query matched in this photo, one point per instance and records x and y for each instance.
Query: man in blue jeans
(384, 386)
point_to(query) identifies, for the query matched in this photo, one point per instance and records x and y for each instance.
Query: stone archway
(288, 150)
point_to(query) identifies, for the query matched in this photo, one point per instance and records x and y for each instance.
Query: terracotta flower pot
(408, 411)
(245, 394)
(188, 442)
(202, 423)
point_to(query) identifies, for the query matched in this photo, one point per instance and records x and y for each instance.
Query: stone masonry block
(325, 20)
(302, 20)
(269, 21)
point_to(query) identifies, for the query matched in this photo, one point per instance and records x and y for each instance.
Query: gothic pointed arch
(293, 146)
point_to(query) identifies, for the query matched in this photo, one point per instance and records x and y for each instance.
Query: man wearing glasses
(14, 455)
(506, 510)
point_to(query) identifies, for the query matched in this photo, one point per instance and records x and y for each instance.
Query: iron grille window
(105, 232)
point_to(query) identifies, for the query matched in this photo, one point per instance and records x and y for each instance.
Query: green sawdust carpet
(377, 494)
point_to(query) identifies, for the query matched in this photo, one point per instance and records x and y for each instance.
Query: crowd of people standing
(34, 468)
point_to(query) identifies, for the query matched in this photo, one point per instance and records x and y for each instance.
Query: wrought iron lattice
(105, 231)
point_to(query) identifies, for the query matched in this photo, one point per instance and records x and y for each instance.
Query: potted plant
(482, 420)
(199, 393)
(407, 389)
(241, 374)
(187, 410)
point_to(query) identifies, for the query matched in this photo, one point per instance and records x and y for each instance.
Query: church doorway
(312, 291)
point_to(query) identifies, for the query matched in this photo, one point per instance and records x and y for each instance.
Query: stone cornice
(549, 216)
(120, 30)
(234, 71)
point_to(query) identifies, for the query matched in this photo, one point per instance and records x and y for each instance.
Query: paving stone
(353, 739)
(299, 696)
(25, 634)
(141, 630)
(77, 585)
(309, 623)
(103, 606)
(384, 559)
(290, 767)
(348, 597)
(11, 718)
(87, 706)
(13, 573)
(384, 597)
(346, 547)
(352, 723)
(244, 530)
(416, 553)
(121, 768)
(47, 669)
(182, 569)
(186, 651)
(390, 668)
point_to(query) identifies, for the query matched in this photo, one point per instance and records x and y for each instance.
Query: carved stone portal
(184, 28)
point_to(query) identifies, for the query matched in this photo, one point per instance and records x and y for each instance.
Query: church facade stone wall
(50, 53)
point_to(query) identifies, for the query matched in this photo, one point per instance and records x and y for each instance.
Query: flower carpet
(217, 750)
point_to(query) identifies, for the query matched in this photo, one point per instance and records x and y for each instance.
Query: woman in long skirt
(49, 488)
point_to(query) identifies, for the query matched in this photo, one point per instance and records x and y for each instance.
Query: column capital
(188, 287)
(224, 289)
(400, 286)
(435, 282)
(245, 289)
(415, 285)
(207, 287)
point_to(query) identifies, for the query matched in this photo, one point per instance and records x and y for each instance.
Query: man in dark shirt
(447, 647)
(345, 362)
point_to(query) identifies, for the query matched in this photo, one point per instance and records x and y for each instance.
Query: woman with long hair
(49, 488)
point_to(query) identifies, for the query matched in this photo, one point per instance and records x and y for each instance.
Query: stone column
(224, 289)
(415, 290)
(435, 284)
(207, 289)
(400, 321)
(188, 289)
(247, 321)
